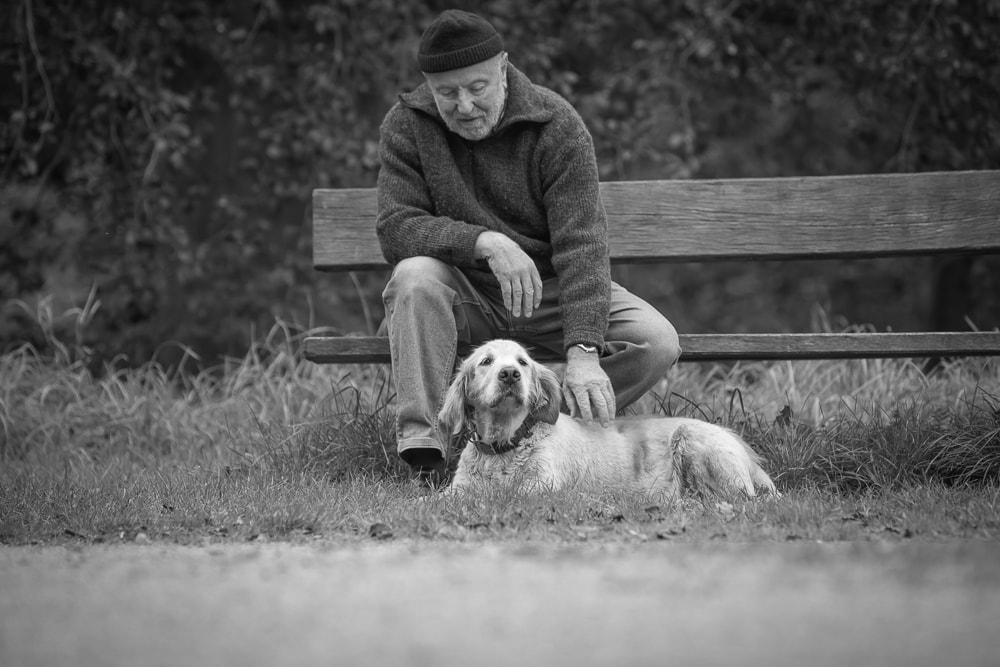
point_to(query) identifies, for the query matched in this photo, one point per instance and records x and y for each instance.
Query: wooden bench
(739, 219)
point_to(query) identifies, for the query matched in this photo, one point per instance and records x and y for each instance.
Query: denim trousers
(433, 311)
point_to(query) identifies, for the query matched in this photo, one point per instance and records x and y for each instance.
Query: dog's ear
(548, 395)
(451, 419)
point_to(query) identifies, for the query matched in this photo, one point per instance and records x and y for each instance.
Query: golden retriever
(506, 407)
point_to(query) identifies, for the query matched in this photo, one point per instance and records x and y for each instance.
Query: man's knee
(661, 347)
(419, 277)
(668, 348)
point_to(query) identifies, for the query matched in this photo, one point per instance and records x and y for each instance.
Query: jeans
(432, 309)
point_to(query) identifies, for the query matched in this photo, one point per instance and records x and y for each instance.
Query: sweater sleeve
(579, 231)
(406, 223)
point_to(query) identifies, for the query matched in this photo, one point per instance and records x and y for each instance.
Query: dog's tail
(719, 461)
(761, 480)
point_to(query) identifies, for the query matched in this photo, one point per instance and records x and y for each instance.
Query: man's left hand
(587, 390)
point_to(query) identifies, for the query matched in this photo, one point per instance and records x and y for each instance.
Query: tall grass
(296, 445)
(54, 405)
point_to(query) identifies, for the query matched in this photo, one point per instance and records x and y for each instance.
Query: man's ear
(548, 396)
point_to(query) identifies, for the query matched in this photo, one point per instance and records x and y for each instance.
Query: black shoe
(428, 477)
(427, 468)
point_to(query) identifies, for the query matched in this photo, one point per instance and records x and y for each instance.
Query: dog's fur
(503, 401)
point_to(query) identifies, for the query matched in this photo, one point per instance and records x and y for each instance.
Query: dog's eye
(522, 361)
(486, 361)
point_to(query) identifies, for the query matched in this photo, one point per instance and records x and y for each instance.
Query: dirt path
(425, 603)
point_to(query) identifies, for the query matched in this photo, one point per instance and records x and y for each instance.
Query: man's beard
(475, 131)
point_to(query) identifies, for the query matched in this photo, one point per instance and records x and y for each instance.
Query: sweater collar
(524, 102)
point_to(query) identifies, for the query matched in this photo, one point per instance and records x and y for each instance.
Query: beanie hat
(457, 39)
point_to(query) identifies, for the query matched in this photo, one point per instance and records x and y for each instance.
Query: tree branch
(29, 25)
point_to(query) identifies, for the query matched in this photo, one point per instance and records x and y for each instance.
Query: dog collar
(495, 449)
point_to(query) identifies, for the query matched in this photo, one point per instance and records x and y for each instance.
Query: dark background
(164, 152)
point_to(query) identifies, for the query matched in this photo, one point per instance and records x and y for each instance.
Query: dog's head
(501, 382)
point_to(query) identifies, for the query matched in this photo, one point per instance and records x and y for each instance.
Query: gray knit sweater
(534, 179)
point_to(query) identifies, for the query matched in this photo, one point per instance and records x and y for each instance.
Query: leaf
(380, 531)
(726, 511)
(784, 418)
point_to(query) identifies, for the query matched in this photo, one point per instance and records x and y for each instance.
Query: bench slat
(758, 218)
(722, 347)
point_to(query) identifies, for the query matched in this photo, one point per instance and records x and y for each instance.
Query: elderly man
(490, 212)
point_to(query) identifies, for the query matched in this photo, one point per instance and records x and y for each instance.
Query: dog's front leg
(457, 487)
(461, 482)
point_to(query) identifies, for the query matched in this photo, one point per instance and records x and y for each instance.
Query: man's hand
(587, 391)
(520, 283)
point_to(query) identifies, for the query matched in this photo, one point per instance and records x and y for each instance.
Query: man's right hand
(520, 283)
(587, 390)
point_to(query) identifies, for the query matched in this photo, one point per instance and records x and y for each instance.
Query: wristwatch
(589, 349)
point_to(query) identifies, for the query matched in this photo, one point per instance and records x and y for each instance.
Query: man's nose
(509, 375)
(464, 102)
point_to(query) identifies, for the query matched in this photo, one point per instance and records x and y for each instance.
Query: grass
(270, 447)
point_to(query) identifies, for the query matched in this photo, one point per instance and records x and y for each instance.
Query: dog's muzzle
(509, 376)
(509, 384)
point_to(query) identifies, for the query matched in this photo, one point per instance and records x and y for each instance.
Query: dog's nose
(509, 375)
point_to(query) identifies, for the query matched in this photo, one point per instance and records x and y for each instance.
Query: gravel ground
(434, 603)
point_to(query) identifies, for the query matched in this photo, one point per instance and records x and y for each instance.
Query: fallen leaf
(380, 531)
(726, 511)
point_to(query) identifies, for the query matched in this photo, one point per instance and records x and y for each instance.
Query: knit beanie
(457, 39)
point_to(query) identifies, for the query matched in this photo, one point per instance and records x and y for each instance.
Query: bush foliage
(165, 153)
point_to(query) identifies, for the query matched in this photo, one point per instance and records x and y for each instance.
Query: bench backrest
(767, 218)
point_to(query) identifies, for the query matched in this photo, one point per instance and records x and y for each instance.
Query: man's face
(471, 99)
